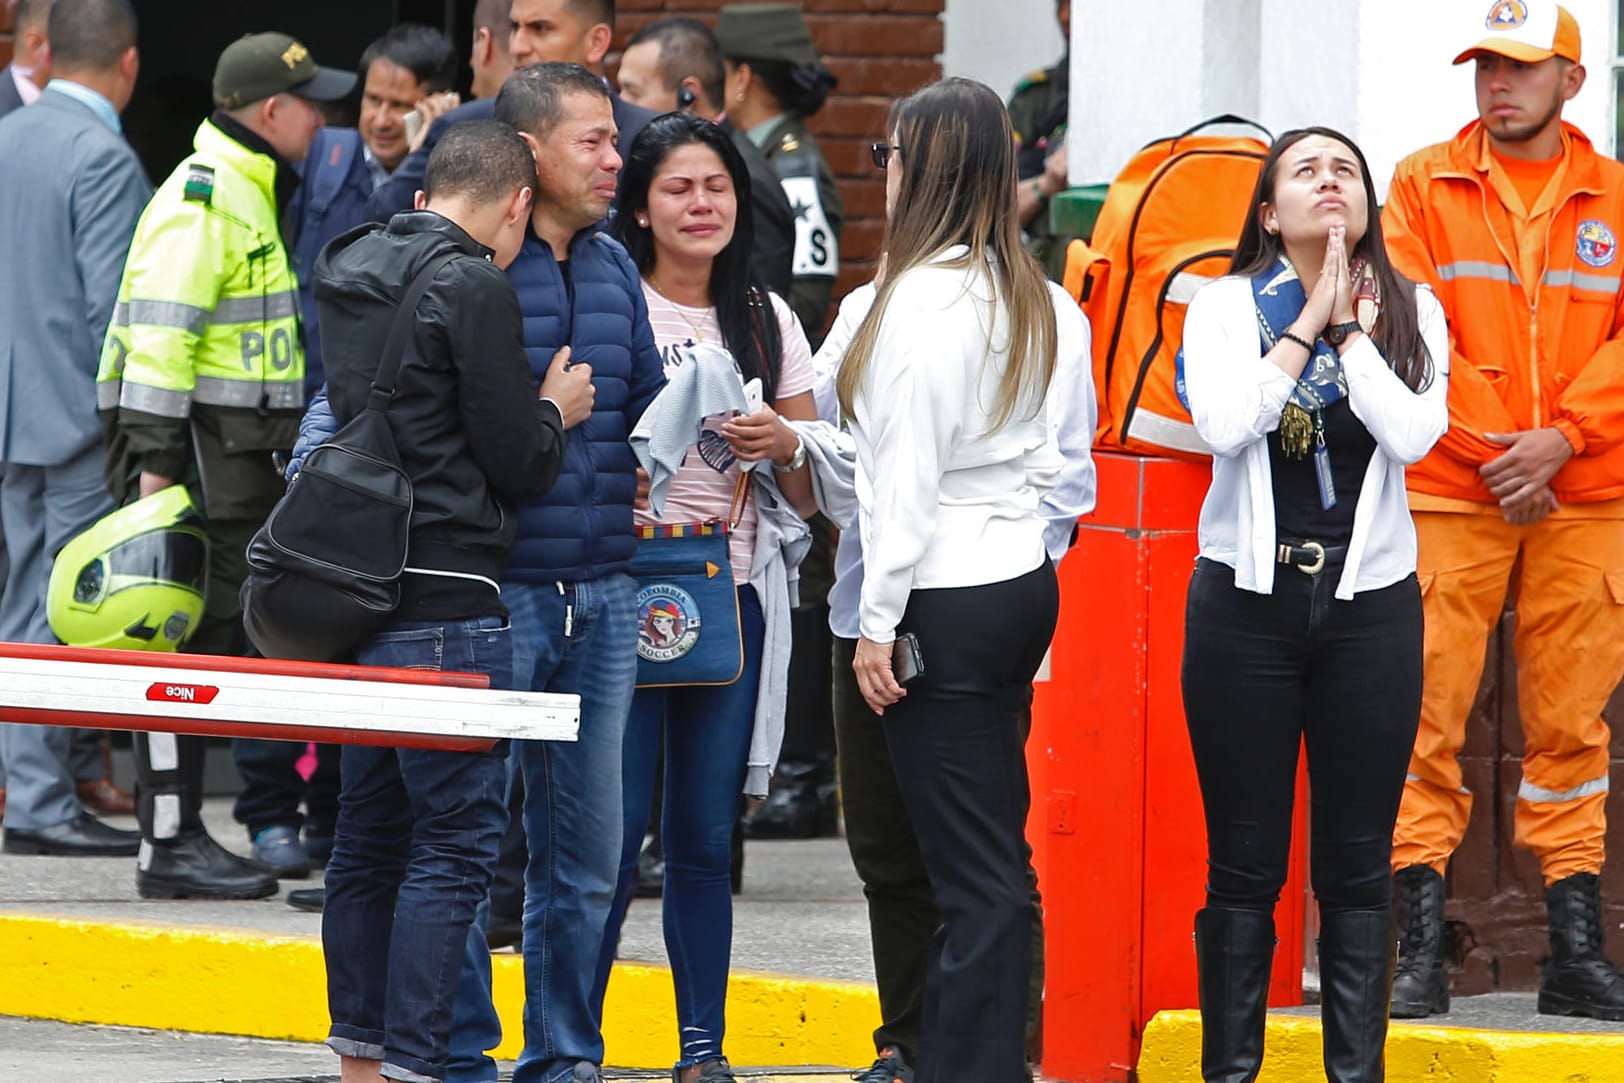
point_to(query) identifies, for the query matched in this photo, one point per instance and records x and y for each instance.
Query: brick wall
(880, 50)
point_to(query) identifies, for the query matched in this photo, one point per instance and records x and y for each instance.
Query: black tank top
(1297, 512)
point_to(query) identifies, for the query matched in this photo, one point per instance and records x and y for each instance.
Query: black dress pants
(956, 745)
(1265, 674)
(902, 914)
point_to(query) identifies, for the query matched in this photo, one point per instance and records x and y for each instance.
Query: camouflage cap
(257, 66)
(766, 32)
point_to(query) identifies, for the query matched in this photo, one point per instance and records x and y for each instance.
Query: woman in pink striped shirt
(684, 216)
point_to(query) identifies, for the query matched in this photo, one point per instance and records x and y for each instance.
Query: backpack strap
(1224, 118)
(769, 343)
(325, 173)
(394, 347)
(334, 166)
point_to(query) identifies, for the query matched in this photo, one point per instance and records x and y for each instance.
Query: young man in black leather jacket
(418, 829)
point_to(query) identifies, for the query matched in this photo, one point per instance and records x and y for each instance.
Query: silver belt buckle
(1319, 558)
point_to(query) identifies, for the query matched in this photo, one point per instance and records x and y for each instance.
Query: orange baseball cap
(1529, 31)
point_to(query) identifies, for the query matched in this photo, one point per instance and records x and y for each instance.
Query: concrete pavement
(41, 1051)
(78, 946)
(801, 912)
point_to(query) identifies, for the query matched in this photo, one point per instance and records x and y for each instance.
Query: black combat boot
(1357, 949)
(793, 809)
(1579, 979)
(1421, 984)
(194, 866)
(1234, 951)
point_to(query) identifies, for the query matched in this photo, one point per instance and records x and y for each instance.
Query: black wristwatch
(1338, 333)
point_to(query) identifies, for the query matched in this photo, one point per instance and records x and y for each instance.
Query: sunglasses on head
(882, 153)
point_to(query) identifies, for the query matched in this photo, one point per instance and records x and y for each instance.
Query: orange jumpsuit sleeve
(1590, 410)
(1474, 406)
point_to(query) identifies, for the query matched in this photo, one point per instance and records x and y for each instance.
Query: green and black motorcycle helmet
(135, 580)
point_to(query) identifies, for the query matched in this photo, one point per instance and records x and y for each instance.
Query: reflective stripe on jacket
(208, 309)
(1527, 352)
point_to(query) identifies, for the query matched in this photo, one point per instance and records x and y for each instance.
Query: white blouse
(943, 502)
(1235, 400)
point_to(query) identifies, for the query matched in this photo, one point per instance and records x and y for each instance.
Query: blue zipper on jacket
(589, 473)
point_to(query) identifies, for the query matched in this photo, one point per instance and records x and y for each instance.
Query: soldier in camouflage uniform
(1038, 113)
(775, 81)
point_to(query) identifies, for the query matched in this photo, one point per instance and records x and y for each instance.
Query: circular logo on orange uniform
(1596, 244)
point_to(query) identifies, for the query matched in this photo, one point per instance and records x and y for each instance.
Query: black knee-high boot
(1234, 952)
(178, 858)
(1357, 949)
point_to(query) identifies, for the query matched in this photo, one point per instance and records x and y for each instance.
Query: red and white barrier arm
(256, 697)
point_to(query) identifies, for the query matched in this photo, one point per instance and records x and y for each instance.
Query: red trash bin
(1116, 824)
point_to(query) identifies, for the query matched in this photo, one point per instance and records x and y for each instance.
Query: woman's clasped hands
(1332, 299)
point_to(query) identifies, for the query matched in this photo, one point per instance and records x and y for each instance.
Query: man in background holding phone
(398, 70)
(538, 32)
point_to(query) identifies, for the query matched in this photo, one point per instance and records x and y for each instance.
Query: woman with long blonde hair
(946, 386)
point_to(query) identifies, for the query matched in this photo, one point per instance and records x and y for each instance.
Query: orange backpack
(1168, 226)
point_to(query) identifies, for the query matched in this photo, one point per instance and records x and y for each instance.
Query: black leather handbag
(324, 571)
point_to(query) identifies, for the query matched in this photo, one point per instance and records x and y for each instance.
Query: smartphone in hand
(413, 123)
(907, 662)
(752, 396)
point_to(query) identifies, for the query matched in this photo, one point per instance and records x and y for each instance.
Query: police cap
(257, 66)
(766, 32)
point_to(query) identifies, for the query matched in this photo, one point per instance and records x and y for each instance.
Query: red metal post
(1116, 824)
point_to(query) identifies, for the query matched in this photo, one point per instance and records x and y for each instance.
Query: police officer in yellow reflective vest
(202, 384)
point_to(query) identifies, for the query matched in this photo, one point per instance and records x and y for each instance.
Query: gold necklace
(681, 310)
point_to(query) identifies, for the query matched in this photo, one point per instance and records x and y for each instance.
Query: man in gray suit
(21, 81)
(30, 69)
(71, 191)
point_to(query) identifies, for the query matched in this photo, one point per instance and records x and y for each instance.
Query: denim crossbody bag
(687, 606)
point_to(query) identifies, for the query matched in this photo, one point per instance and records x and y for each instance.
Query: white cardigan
(943, 503)
(1236, 398)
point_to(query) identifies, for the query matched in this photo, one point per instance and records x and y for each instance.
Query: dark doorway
(180, 40)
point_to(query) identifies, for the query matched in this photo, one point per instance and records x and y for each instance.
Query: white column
(1144, 69)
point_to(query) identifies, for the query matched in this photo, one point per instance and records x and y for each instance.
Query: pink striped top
(703, 488)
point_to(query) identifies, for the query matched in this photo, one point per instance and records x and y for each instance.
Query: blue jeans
(580, 638)
(707, 745)
(415, 842)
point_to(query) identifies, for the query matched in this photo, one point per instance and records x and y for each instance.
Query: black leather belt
(1309, 557)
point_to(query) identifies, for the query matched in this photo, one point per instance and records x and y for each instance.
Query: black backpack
(324, 571)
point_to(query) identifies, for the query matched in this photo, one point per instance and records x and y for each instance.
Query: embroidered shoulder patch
(1596, 244)
(199, 184)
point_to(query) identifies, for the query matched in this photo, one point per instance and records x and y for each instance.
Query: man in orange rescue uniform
(1515, 224)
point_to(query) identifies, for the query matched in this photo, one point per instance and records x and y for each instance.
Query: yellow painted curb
(1171, 1053)
(225, 981)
